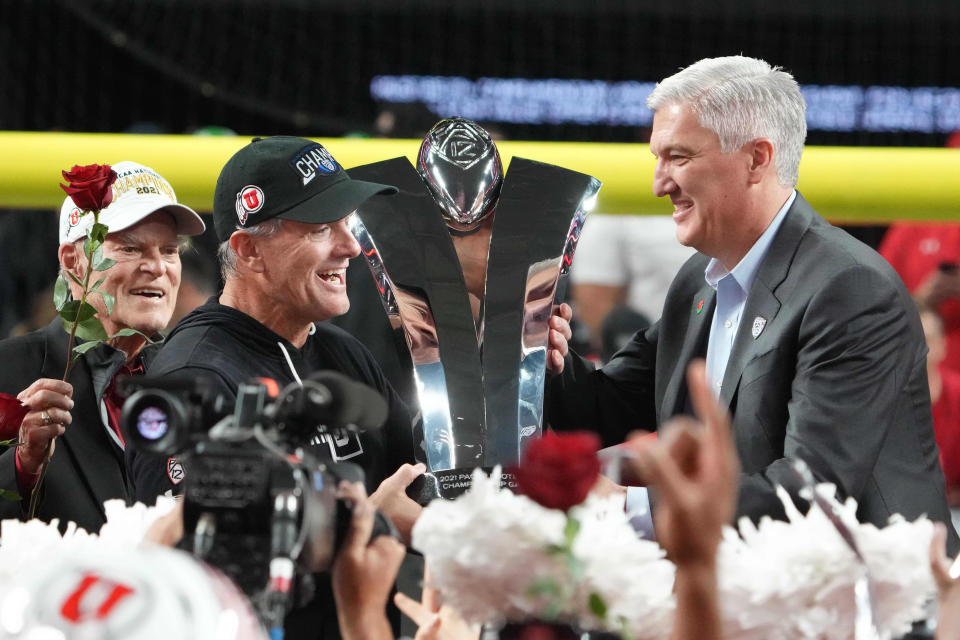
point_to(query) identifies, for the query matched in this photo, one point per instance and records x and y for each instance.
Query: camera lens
(152, 423)
(156, 421)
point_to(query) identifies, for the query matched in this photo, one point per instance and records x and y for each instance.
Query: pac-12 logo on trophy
(467, 263)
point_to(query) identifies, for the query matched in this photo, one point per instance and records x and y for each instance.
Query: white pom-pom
(777, 580)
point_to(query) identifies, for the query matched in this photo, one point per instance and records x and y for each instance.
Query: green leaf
(131, 332)
(96, 284)
(544, 587)
(99, 232)
(6, 494)
(68, 312)
(89, 329)
(90, 246)
(60, 292)
(571, 530)
(108, 300)
(553, 611)
(598, 606)
(575, 567)
(104, 264)
(83, 347)
(75, 278)
(76, 311)
(12, 442)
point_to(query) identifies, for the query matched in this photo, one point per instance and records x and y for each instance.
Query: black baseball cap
(286, 177)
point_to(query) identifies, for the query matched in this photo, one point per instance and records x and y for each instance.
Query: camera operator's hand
(363, 574)
(434, 620)
(167, 530)
(50, 402)
(391, 498)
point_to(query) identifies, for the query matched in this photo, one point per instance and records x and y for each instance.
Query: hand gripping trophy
(467, 264)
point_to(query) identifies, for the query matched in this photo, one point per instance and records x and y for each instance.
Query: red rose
(91, 186)
(538, 631)
(558, 471)
(12, 412)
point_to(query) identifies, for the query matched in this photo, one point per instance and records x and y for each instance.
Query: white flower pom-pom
(795, 579)
(779, 580)
(485, 549)
(25, 545)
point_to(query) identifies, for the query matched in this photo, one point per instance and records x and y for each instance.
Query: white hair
(228, 257)
(742, 99)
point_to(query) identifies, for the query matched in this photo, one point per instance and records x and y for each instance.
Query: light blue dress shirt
(732, 288)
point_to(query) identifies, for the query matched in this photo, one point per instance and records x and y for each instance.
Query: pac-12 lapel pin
(700, 306)
(758, 324)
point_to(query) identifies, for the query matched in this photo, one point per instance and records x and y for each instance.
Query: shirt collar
(746, 270)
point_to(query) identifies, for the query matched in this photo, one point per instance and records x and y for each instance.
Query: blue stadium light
(598, 102)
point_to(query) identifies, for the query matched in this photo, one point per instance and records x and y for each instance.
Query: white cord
(286, 355)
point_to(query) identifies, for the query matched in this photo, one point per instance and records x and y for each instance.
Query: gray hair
(228, 257)
(742, 99)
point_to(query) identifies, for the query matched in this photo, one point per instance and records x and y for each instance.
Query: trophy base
(448, 484)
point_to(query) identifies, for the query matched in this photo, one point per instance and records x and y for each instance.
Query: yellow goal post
(845, 184)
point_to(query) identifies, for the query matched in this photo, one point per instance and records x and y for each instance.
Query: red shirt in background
(946, 423)
(916, 250)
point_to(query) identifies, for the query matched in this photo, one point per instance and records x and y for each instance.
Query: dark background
(304, 66)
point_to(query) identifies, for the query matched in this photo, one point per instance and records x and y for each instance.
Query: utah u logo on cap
(249, 200)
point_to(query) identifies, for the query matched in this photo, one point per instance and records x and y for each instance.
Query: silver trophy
(467, 265)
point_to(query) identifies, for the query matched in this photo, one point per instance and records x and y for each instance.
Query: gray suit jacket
(836, 376)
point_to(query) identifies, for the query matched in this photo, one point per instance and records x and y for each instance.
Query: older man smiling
(81, 416)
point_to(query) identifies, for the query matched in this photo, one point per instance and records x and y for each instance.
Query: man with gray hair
(281, 210)
(78, 421)
(810, 338)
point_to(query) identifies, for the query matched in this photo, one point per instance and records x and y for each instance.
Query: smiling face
(145, 279)
(305, 266)
(707, 188)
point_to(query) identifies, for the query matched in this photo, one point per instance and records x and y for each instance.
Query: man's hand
(560, 335)
(167, 530)
(391, 498)
(50, 402)
(435, 621)
(363, 574)
(939, 286)
(605, 487)
(694, 467)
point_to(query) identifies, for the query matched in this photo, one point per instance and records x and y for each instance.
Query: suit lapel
(694, 339)
(761, 310)
(762, 304)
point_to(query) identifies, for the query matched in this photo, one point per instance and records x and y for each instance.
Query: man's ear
(248, 251)
(761, 159)
(72, 259)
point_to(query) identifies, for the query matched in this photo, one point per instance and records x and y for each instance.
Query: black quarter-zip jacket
(228, 347)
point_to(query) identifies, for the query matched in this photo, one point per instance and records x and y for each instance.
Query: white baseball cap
(138, 192)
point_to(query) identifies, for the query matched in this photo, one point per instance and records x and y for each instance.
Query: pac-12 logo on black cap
(249, 200)
(311, 159)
